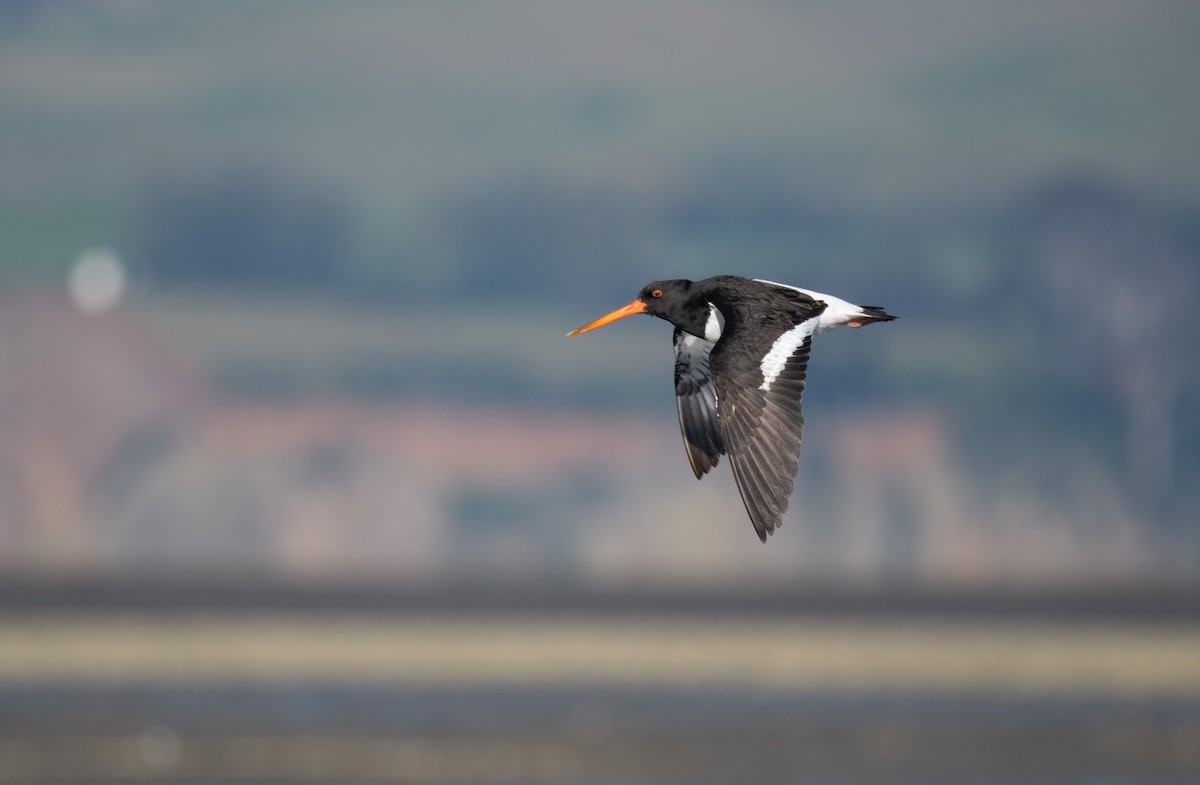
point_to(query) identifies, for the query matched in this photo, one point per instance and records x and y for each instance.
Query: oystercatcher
(741, 353)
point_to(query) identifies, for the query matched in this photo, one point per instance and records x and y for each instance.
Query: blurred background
(301, 481)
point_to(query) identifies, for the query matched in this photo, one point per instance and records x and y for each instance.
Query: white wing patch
(713, 327)
(781, 351)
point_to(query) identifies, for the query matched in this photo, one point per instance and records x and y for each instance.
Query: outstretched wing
(761, 416)
(696, 401)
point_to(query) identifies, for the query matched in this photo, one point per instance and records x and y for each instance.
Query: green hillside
(409, 115)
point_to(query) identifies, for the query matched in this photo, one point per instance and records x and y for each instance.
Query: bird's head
(664, 299)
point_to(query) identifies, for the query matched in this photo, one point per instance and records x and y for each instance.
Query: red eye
(656, 293)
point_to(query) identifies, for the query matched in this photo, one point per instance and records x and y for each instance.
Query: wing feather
(696, 402)
(763, 427)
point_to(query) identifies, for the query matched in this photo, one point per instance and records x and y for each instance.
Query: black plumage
(738, 386)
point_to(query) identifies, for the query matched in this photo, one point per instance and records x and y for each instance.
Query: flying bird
(741, 354)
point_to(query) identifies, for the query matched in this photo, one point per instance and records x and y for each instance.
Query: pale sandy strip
(669, 653)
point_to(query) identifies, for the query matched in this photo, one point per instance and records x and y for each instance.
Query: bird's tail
(868, 314)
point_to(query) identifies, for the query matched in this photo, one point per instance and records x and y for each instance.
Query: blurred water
(308, 733)
(1066, 690)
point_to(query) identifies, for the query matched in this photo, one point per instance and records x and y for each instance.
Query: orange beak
(637, 306)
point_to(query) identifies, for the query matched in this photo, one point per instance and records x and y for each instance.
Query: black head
(664, 299)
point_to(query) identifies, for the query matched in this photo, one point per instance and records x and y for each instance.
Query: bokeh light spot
(97, 280)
